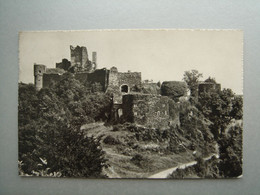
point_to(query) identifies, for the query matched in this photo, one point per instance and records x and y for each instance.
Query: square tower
(79, 56)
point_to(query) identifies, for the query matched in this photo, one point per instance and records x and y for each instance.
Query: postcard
(154, 104)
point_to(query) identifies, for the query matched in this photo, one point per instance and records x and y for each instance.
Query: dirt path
(165, 173)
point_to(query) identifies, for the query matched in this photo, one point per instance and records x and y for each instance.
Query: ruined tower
(79, 56)
(94, 59)
(39, 70)
(80, 61)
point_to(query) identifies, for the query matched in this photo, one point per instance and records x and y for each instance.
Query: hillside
(75, 130)
(137, 152)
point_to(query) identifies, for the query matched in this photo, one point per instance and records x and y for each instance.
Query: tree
(230, 150)
(59, 147)
(96, 87)
(192, 79)
(50, 139)
(237, 109)
(27, 103)
(210, 80)
(220, 108)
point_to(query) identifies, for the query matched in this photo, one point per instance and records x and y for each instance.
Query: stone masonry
(129, 103)
(146, 109)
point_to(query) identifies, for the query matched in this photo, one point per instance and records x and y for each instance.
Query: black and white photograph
(145, 104)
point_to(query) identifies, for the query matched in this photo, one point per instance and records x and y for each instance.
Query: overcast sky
(161, 55)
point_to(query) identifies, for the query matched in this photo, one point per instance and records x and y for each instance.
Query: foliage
(202, 169)
(220, 108)
(49, 129)
(174, 89)
(231, 153)
(174, 109)
(192, 79)
(94, 87)
(223, 109)
(111, 140)
(237, 108)
(27, 102)
(210, 80)
(140, 161)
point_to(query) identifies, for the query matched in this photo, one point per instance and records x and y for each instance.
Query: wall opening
(120, 112)
(124, 88)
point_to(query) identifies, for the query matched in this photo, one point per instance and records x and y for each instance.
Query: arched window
(124, 88)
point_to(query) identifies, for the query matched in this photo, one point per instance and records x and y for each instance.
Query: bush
(140, 161)
(49, 129)
(111, 140)
(174, 89)
(63, 149)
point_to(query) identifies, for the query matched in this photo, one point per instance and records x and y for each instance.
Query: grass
(121, 146)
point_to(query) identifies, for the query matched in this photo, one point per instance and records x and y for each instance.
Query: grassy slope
(130, 157)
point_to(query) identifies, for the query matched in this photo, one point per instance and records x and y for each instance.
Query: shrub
(111, 140)
(140, 161)
(174, 89)
(49, 129)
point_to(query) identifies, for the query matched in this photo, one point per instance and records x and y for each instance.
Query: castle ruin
(130, 103)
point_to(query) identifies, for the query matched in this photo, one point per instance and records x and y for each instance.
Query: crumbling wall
(208, 87)
(117, 80)
(113, 86)
(81, 77)
(148, 110)
(79, 56)
(76, 56)
(80, 61)
(55, 71)
(98, 76)
(84, 57)
(131, 79)
(64, 64)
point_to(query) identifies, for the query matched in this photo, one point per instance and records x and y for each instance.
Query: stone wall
(118, 81)
(64, 64)
(98, 76)
(81, 77)
(55, 75)
(80, 61)
(208, 87)
(131, 79)
(49, 78)
(55, 71)
(78, 57)
(148, 110)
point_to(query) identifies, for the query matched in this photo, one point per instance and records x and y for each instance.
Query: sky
(160, 55)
